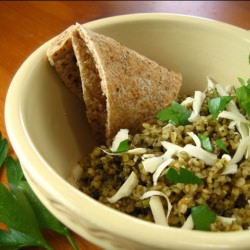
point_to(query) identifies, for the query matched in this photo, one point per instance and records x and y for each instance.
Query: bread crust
(130, 88)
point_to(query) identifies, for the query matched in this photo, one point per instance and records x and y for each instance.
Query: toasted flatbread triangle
(61, 56)
(135, 87)
(120, 87)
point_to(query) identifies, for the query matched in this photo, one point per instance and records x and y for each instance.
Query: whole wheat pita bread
(121, 88)
(61, 56)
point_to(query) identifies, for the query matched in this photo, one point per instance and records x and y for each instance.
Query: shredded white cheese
(220, 89)
(151, 164)
(122, 135)
(201, 154)
(160, 169)
(187, 101)
(151, 193)
(233, 116)
(199, 97)
(135, 151)
(195, 138)
(229, 168)
(210, 83)
(126, 189)
(188, 224)
(146, 156)
(171, 147)
(226, 219)
(241, 150)
(198, 152)
(157, 210)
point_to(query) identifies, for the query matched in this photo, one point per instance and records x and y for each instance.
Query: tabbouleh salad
(191, 169)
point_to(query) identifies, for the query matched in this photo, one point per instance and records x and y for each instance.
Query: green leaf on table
(14, 171)
(184, 176)
(175, 114)
(16, 212)
(218, 104)
(202, 217)
(3, 150)
(44, 218)
(22, 215)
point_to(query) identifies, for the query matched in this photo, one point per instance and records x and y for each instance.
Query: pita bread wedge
(120, 87)
(131, 88)
(61, 56)
(95, 100)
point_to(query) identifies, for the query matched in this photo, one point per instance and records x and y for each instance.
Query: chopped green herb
(243, 95)
(205, 142)
(175, 114)
(220, 144)
(242, 81)
(184, 176)
(123, 147)
(202, 217)
(218, 104)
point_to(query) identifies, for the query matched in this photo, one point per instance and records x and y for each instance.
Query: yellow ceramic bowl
(49, 132)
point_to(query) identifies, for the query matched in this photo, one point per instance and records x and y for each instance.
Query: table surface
(25, 25)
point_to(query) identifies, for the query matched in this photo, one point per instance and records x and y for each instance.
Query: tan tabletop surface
(25, 25)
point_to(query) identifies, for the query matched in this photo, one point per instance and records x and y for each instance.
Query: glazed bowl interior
(48, 129)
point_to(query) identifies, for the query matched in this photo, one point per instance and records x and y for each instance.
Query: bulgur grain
(227, 195)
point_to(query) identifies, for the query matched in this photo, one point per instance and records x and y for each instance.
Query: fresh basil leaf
(205, 142)
(14, 171)
(202, 217)
(218, 104)
(45, 219)
(123, 147)
(17, 214)
(184, 176)
(175, 114)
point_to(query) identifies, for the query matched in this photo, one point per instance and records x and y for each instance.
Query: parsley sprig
(183, 176)
(243, 93)
(175, 114)
(203, 217)
(22, 216)
(218, 104)
(123, 147)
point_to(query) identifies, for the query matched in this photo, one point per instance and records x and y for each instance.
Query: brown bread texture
(120, 87)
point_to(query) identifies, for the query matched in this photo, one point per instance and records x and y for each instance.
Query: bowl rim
(47, 177)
